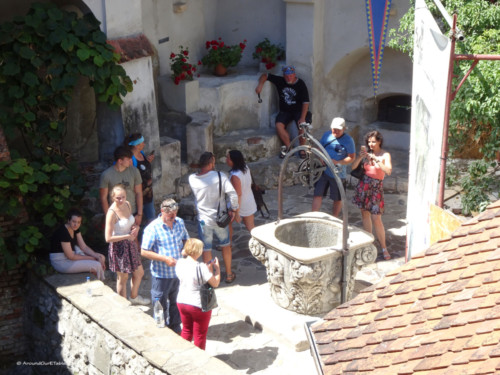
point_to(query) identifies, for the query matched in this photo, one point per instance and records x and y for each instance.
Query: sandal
(230, 278)
(386, 254)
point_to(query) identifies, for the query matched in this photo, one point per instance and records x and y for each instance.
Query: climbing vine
(42, 56)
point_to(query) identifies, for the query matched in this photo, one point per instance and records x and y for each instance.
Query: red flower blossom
(184, 60)
(177, 80)
(221, 44)
(270, 65)
(199, 62)
(258, 50)
(242, 46)
(172, 55)
(214, 43)
(185, 53)
(193, 68)
(207, 45)
(214, 48)
(220, 38)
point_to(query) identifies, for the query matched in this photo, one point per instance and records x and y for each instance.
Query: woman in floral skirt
(369, 195)
(124, 256)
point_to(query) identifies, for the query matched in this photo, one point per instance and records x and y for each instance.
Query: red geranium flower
(199, 62)
(214, 43)
(242, 46)
(207, 44)
(185, 53)
(214, 48)
(172, 55)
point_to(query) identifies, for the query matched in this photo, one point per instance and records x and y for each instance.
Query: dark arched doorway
(395, 108)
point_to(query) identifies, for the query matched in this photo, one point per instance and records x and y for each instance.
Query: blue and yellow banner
(377, 17)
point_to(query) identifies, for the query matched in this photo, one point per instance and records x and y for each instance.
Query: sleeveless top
(123, 226)
(247, 206)
(374, 171)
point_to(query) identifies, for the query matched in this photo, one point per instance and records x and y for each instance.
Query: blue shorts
(325, 182)
(206, 234)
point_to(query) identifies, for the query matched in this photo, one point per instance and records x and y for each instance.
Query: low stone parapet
(71, 332)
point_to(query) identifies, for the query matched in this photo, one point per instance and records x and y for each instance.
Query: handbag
(223, 219)
(259, 199)
(359, 171)
(207, 293)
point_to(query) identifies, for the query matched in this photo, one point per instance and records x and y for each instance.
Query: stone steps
(255, 144)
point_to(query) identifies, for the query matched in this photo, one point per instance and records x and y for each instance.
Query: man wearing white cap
(293, 103)
(340, 147)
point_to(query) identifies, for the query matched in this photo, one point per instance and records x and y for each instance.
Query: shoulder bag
(223, 219)
(207, 293)
(359, 171)
(259, 199)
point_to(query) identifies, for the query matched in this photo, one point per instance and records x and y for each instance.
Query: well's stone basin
(303, 257)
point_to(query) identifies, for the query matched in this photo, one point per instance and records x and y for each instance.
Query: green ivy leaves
(42, 56)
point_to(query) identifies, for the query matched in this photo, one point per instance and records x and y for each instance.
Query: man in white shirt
(205, 187)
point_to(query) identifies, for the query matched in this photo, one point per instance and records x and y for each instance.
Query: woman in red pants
(194, 321)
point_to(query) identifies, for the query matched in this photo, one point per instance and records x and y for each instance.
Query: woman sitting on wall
(70, 253)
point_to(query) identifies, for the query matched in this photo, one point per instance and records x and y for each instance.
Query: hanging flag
(377, 17)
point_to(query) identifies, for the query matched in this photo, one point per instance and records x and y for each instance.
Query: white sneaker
(139, 300)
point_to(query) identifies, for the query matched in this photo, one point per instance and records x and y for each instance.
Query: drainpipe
(320, 152)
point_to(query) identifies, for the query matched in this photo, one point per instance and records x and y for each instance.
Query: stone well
(304, 260)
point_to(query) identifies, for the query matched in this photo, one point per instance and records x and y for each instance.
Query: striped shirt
(166, 241)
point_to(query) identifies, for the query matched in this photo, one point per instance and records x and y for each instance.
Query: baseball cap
(289, 69)
(338, 123)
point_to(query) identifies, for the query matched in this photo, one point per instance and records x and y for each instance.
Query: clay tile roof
(437, 314)
(132, 47)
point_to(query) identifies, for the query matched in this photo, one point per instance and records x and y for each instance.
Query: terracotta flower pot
(220, 70)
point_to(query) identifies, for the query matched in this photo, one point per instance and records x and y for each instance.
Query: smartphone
(152, 152)
(211, 261)
(363, 148)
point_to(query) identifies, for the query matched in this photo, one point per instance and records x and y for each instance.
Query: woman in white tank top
(241, 179)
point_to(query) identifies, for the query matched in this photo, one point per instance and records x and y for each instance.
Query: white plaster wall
(139, 109)
(123, 18)
(300, 24)
(343, 80)
(252, 20)
(187, 28)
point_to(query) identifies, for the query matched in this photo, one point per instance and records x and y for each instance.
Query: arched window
(396, 108)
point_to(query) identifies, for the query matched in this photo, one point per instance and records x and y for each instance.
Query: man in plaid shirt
(162, 243)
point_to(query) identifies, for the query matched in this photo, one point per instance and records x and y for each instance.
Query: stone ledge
(162, 348)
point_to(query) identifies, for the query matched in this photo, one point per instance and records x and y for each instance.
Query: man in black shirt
(293, 102)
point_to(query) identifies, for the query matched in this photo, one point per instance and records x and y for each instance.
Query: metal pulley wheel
(310, 170)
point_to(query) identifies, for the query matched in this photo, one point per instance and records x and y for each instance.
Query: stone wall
(70, 332)
(12, 342)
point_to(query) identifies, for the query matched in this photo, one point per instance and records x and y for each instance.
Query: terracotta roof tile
(438, 314)
(492, 224)
(439, 361)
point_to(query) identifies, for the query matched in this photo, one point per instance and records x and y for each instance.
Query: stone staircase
(223, 113)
